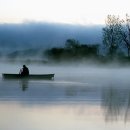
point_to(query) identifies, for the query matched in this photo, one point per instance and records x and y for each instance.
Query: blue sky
(61, 11)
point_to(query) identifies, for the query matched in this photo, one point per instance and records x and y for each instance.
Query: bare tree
(126, 33)
(112, 34)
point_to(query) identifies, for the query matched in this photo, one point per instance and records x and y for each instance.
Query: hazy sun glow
(62, 11)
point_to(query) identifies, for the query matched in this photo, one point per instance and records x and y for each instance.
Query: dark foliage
(73, 50)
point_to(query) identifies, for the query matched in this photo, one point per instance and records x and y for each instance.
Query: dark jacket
(25, 71)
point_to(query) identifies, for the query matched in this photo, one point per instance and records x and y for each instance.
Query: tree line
(115, 43)
(73, 50)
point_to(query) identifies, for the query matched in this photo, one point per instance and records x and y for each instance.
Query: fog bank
(46, 35)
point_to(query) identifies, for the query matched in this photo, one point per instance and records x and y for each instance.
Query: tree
(112, 34)
(72, 44)
(55, 53)
(126, 33)
(72, 47)
(73, 50)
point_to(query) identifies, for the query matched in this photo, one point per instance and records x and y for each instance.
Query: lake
(79, 98)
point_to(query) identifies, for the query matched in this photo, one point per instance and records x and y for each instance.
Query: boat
(30, 76)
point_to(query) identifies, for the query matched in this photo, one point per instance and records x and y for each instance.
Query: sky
(61, 11)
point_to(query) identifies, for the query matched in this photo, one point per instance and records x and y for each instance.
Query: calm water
(79, 98)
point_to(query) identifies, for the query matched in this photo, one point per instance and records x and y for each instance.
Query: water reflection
(116, 104)
(23, 84)
(113, 101)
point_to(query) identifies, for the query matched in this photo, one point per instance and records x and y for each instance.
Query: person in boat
(24, 71)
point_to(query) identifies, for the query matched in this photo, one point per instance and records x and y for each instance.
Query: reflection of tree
(114, 103)
(24, 84)
(127, 112)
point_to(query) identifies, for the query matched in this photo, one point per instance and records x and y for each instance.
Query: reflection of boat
(31, 76)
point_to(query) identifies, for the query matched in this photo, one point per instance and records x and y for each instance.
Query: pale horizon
(82, 12)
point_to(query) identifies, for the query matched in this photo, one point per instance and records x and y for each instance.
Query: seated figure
(24, 71)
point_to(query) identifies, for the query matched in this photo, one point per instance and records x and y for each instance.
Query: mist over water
(79, 96)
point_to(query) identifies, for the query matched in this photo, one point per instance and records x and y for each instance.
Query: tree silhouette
(126, 33)
(112, 34)
(73, 50)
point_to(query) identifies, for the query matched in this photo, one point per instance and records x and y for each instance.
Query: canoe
(31, 76)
